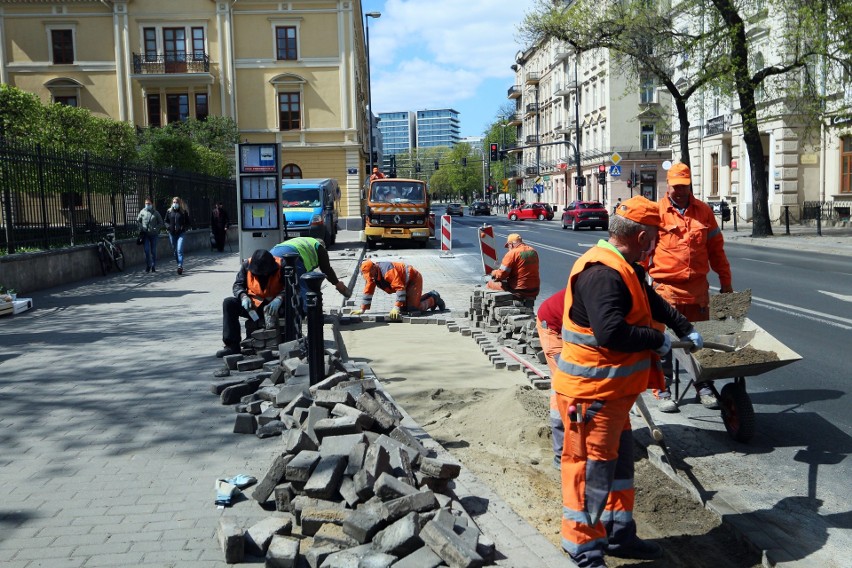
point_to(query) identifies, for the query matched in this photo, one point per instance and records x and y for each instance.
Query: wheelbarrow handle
(707, 345)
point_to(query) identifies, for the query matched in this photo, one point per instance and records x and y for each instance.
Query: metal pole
(293, 299)
(787, 219)
(577, 122)
(316, 345)
(367, 17)
(734, 212)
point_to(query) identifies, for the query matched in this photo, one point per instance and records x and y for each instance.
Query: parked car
(548, 208)
(721, 208)
(455, 209)
(585, 214)
(528, 211)
(480, 208)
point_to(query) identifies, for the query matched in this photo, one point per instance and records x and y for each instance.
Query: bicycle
(110, 253)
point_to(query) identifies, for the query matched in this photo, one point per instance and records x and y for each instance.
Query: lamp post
(577, 124)
(367, 17)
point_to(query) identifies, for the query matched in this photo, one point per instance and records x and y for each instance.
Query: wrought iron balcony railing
(167, 63)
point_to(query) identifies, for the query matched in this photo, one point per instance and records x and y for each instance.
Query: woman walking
(177, 223)
(150, 222)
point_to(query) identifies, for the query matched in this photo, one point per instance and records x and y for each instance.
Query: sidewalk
(834, 240)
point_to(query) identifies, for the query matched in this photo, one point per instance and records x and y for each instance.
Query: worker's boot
(637, 549)
(439, 303)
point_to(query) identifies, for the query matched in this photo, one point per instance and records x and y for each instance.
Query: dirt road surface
(496, 425)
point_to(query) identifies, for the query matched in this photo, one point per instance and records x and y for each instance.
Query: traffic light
(495, 152)
(629, 183)
(437, 165)
(503, 154)
(602, 174)
(417, 167)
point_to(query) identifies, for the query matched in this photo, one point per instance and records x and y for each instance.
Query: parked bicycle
(109, 253)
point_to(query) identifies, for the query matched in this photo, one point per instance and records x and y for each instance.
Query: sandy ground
(496, 425)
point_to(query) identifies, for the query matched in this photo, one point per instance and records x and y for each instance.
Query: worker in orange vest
(610, 351)
(400, 279)
(548, 323)
(518, 272)
(690, 244)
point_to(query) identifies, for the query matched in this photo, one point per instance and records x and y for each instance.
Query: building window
(198, 44)
(285, 43)
(846, 165)
(150, 35)
(63, 46)
(646, 91)
(201, 107)
(154, 116)
(177, 108)
(714, 174)
(288, 111)
(66, 100)
(291, 171)
(648, 137)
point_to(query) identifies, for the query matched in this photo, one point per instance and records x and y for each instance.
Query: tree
(504, 136)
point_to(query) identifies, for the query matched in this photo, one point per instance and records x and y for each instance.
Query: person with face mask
(610, 353)
(689, 245)
(177, 223)
(150, 223)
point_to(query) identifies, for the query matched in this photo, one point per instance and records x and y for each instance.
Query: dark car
(585, 214)
(528, 211)
(547, 208)
(721, 208)
(480, 208)
(455, 209)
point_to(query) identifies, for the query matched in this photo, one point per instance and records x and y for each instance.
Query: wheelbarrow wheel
(737, 412)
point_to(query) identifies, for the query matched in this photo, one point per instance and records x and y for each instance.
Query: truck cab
(311, 208)
(396, 209)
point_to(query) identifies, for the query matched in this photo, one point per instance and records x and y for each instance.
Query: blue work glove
(225, 492)
(695, 338)
(663, 349)
(245, 301)
(273, 307)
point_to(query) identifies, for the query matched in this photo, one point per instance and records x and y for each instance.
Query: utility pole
(577, 124)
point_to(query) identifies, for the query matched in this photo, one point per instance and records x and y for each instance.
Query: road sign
(538, 188)
(615, 158)
(505, 183)
(615, 171)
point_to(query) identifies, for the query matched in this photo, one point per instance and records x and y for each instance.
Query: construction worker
(312, 255)
(548, 322)
(610, 351)
(690, 244)
(518, 272)
(258, 293)
(376, 174)
(400, 279)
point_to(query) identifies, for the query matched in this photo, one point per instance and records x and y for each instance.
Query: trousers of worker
(597, 477)
(551, 344)
(414, 298)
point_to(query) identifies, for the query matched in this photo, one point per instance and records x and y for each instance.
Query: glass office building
(437, 127)
(398, 134)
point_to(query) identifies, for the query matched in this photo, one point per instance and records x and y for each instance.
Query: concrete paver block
(363, 525)
(400, 538)
(273, 477)
(325, 479)
(300, 467)
(245, 423)
(230, 536)
(259, 535)
(423, 557)
(446, 544)
(283, 552)
(388, 488)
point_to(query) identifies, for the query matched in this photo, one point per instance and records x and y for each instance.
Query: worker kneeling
(258, 294)
(518, 272)
(402, 280)
(312, 255)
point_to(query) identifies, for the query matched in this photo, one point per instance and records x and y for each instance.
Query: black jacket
(177, 221)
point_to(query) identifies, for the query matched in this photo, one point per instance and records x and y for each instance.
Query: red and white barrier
(446, 233)
(432, 225)
(487, 249)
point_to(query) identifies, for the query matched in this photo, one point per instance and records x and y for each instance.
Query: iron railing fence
(826, 210)
(54, 198)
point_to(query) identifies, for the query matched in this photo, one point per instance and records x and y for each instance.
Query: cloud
(437, 53)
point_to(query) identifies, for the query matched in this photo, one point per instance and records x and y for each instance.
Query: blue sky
(444, 54)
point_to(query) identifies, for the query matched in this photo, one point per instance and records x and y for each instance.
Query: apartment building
(287, 72)
(801, 165)
(556, 91)
(437, 127)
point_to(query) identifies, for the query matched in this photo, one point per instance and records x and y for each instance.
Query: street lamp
(367, 17)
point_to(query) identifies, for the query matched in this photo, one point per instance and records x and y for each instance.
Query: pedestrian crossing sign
(615, 171)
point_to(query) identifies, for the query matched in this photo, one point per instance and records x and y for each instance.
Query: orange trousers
(551, 344)
(597, 477)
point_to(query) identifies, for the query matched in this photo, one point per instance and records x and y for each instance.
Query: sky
(444, 54)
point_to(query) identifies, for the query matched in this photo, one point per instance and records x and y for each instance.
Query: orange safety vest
(589, 371)
(392, 277)
(519, 268)
(274, 285)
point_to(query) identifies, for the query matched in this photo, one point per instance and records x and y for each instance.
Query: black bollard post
(787, 219)
(819, 221)
(292, 301)
(734, 216)
(316, 345)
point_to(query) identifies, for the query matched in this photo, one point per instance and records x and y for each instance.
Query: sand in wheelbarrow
(748, 355)
(733, 305)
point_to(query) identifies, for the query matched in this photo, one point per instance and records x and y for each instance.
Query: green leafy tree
(21, 113)
(506, 137)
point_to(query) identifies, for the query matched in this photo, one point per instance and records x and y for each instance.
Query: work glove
(394, 314)
(341, 287)
(225, 493)
(357, 312)
(663, 349)
(695, 338)
(273, 307)
(246, 302)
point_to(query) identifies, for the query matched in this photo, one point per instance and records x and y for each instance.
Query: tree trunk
(683, 121)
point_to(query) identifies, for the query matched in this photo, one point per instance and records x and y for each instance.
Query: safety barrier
(432, 225)
(487, 249)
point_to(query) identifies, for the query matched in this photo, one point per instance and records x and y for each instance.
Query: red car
(528, 211)
(548, 208)
(585, 214)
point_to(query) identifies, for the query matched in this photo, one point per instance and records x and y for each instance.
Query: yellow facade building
(287, 72)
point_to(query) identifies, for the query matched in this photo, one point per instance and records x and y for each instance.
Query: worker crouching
(518, 272)
(402, 280)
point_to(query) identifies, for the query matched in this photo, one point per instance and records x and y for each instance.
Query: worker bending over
(312, 255)
(400, 279)
(518, 272)
(610, 352)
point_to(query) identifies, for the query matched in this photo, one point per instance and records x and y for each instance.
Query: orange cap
(679, 174)
(641, 210)
(512, 238)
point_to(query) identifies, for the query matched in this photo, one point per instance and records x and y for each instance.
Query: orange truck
(396, 209)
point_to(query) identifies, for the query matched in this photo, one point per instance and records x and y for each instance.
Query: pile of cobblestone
(351, 486)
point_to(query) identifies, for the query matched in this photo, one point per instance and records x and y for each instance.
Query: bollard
(292, 299)
(734, 216)
(787, 219)
(316, 345)
(819, 222)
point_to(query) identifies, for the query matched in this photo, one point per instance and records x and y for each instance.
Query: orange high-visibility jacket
(519, 268)
(259, 294)
(590, 371)
(392, 277)
(688, 247)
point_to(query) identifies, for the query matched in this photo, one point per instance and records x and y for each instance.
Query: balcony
(532, 139)
(564, 90)
(164, 64)
(531, 109)
(515, 92)
(515, 120)
(532, 78)
(513, 148)
(561, 55)
(531, 170)
(514, 172)
(718, 125)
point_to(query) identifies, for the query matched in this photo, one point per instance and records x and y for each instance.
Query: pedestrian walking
(219, 222)
(177, 223)
(150, 223)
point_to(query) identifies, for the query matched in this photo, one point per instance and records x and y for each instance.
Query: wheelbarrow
(734, 402)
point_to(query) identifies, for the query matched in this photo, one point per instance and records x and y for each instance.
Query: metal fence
(54, 199)
(826, 210)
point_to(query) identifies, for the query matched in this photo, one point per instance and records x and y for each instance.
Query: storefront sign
(808, 159)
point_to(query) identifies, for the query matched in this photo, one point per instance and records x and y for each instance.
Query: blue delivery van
(311, 208)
